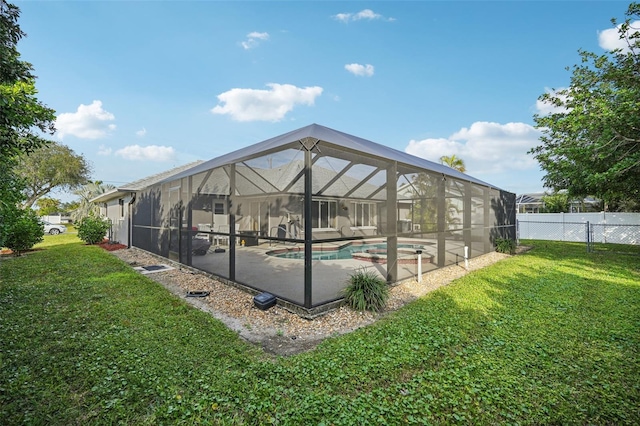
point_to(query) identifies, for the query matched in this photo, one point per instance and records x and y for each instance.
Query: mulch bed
(109, 246)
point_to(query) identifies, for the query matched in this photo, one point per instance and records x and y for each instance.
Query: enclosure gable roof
(333, 137)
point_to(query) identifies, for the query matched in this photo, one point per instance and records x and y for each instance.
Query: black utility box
(250, 238)
(264, 301)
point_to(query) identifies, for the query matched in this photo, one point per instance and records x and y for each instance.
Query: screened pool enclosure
(297, 214)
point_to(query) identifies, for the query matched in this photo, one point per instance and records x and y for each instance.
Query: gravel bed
(277, 330)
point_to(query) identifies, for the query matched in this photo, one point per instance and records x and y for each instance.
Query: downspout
(130, 224)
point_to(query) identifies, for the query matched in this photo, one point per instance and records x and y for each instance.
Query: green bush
(23, 231)
(92, 230)
(505, 245)
(366, 291)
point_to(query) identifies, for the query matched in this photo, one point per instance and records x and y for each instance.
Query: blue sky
(141, 87)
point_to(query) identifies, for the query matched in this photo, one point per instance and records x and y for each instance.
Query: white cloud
(367, 14)
(88, 122)
(546, 108)
(141, 133)
(253, 40)
(103, 150)
(265, 105)
(358, 69)
(610, 39)
(486, 148)
(147, 153)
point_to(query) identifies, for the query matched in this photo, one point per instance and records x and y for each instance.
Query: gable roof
(334, 137)
(145, 182)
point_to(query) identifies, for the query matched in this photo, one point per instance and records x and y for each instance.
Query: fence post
(588, 237)
(517, 232)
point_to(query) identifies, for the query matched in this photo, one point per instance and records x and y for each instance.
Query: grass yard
(550, 336)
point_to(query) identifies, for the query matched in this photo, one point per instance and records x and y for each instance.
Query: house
(297, 214)
(115, 204)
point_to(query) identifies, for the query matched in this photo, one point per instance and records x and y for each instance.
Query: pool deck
(284, 277)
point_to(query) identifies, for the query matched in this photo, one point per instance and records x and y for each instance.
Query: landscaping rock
(277, 330)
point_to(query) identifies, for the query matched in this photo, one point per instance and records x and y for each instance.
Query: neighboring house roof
(536, 198)
(333, 137)
(143, 183)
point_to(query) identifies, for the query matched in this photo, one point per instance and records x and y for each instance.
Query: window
(364, 214)
(218, 208)
(121, 203)
(323, 214)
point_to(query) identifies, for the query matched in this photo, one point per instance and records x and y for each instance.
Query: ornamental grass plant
(366, 291)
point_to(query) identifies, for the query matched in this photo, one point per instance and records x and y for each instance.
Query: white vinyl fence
(617, 228)
(56, 219)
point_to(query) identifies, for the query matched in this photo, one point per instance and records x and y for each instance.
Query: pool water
(345, 252)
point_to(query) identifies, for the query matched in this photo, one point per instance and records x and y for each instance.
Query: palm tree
(86, 193)
(454, 162)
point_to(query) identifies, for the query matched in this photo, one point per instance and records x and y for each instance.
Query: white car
(50, 228)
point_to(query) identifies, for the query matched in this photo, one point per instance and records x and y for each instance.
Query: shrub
(92, 230)
(366, 291)
(505, 245)
(23, 231)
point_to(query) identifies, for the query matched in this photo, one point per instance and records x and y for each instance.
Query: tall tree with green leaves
(22, 116)
(424, 191)
(591, 141)
(454, 162)
(53, 166)
(557, 202)
(425, 205)
(48, 206)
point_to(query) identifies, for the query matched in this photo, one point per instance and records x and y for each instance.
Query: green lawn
(551, 336)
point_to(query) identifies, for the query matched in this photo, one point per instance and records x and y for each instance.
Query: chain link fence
(602, 235)
(596, 236)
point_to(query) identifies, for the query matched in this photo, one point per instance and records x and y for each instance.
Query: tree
(87, 193)
(24, 232)
(53, 166)
(454, 162)
(591, 142)
(69, 206)
(21, 114)
(556, 203)
(48, 206)
(10, 197)
(425, 205)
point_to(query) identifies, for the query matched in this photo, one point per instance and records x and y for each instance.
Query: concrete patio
(284, 277)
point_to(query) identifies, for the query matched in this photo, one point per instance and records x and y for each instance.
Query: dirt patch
(5, 252)
(277, 330)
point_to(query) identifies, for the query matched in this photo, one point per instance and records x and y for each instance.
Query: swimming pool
(344, 252)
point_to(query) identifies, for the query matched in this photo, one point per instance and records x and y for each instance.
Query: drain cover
(197, 293)
(154, 267)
